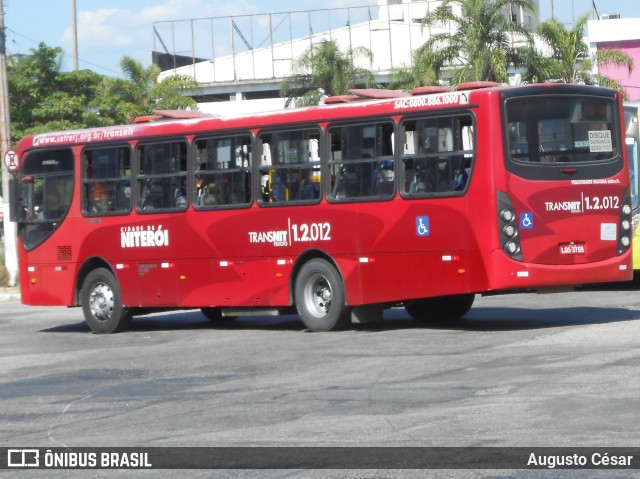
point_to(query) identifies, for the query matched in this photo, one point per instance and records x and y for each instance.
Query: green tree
(69, 105)
(43, 98)
(140, 92)
(33, 79)
(324, 70)
(481, 46)
(406, 78)
(569, 59)
(536, 67)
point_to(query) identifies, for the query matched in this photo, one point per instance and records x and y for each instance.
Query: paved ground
(520, 370)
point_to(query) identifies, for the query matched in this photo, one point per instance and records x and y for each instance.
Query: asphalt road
(525, 370)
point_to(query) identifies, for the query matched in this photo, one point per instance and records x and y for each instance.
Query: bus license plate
(573, 248)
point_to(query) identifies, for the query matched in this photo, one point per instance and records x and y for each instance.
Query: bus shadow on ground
(515, 319)
(196, 320)
(192, 321)
(478, 320)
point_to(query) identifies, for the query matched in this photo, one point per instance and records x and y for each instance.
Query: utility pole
(10, 244)
(74, 27)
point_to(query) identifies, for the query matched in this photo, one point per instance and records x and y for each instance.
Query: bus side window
(361, 163)
(106, 181)
(223, 172)
(290, 166)
(162, 176)
(437, 155)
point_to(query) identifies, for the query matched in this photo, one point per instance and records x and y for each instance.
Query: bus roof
(359, 102)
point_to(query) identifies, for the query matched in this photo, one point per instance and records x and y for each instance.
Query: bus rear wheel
(102, 303)
(441, 308)
(320, 297)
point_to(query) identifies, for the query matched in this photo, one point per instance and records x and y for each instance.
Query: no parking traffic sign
(11, 160)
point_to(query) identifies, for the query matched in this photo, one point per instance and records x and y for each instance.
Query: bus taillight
(507, 227)
(625, 226)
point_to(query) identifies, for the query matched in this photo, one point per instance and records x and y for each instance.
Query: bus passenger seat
(409, 176)
(209, 197)
(384, 182)
(310, 191)
(346, 185)
(278, 189)
(155, 199)
(180, 197)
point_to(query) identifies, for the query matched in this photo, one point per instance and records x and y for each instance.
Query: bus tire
(440, 308)
(320, 297)
(102, 303)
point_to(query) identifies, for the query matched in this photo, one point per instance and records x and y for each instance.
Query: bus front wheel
(102, 303)
(440, 308)
(320, 297)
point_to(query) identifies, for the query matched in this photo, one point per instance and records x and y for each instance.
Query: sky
(108, 30)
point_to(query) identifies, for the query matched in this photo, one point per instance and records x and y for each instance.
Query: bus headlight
(626, 225)
(625, 241)
(626, 209)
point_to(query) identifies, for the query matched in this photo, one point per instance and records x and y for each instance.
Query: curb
(10, 296)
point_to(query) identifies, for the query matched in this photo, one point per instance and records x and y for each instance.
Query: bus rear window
(553, 130)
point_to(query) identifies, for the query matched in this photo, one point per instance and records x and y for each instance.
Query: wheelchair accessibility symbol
(526, 221)
(422, 226)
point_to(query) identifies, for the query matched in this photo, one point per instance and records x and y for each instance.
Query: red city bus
(376, 199)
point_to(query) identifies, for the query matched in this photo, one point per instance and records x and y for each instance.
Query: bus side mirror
(19, 210)
(13, 200)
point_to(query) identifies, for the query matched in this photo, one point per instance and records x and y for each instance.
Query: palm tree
(141, 80)
(481, 45)
(323, 69)
(408, 77)
(140, 92)
(570, 61)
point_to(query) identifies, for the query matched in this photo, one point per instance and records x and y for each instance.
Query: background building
(250, 55)
(240, 61)
(611, 31)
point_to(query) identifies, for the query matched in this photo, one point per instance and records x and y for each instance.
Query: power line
(65, 54)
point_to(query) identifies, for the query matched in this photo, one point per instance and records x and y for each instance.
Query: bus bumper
(509, 274)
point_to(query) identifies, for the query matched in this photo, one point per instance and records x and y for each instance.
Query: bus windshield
(560, 129)
(47, 189)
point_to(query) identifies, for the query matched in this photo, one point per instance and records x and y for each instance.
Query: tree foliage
(140, 92)
(480, 45)
(323, 69)
(44, 98)
(568, 59)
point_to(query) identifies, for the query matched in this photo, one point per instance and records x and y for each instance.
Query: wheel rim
(318, 295)
(101, 302)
